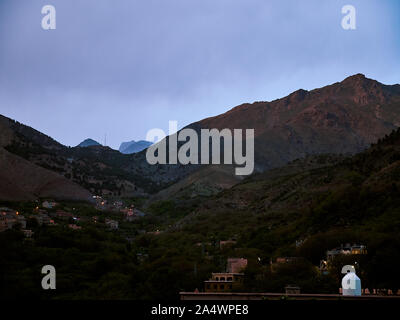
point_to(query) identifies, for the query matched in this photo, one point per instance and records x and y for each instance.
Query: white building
(351, 285)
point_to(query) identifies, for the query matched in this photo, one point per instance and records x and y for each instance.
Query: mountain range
(134, 146)
(125, 148)
(341, 118)
(345, 117)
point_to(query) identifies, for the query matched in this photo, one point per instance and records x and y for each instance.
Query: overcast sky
(122, 67)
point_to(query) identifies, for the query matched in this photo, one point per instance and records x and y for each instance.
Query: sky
(118, 68)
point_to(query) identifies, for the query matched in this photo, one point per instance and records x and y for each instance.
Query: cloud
(124, 67)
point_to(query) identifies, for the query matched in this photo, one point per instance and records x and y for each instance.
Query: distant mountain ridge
(88, 143)
(134, 146)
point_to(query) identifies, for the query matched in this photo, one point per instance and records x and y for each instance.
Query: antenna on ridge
(105, 139)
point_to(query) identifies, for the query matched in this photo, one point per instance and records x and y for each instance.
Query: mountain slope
(318, 202)
(206, 181)
(344, 117)
(300, 210)
(22, 180)
(100, 170)
(134, 146)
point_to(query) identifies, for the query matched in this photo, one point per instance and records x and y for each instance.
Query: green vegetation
(351, 200)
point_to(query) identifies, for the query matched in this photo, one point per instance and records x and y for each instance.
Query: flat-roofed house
(227, 281)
